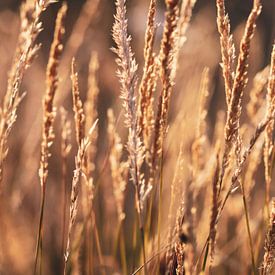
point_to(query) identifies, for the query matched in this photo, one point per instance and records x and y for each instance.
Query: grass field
(137, 137)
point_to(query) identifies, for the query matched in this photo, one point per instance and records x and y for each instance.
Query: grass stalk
(248, 228)
(160, 205)
(122, 248)
(40, 227)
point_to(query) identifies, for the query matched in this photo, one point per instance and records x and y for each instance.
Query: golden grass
(170, 177)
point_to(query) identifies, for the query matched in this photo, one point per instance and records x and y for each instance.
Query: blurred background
(21, 184)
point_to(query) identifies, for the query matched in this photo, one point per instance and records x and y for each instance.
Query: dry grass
(174, 176)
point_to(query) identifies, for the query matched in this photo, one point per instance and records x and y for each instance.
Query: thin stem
(166, 248)
(248, 229)
(134, 242)
(98, 246)
(160, 205)
(122, 249)
(138, 210)
(120, 243)
(40, 227)
(205, 257)
(65, 194)
(143, 249)
(89, 266)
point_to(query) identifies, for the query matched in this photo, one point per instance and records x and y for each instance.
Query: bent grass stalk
(78, 172)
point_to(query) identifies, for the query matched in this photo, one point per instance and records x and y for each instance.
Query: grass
(166, 167)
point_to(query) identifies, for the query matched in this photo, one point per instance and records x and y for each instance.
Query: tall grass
(166, 167)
